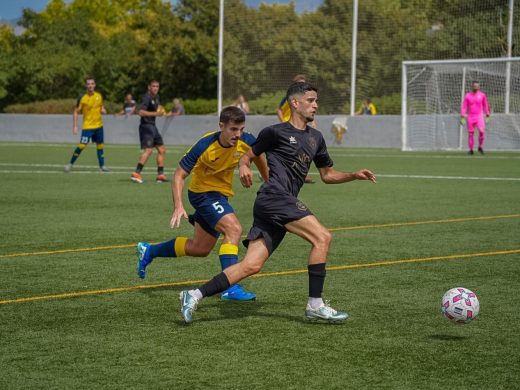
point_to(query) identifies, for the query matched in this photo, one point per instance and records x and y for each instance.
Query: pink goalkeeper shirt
(475, 104)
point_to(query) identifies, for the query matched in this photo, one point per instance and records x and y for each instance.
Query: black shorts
(149, 136)
(271, 213)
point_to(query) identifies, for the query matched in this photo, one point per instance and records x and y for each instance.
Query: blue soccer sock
(77, 152)
(228, 255)
(172, 248)
(100, 155)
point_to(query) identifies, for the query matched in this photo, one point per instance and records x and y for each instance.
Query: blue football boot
(237, 293)
(143, 258)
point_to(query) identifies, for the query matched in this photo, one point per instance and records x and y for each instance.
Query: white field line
(333, 151)
(425, 156)
(87, 169)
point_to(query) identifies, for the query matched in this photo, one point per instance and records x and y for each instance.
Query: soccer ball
(460, 305)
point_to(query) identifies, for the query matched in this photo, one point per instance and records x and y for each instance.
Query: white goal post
(432, 94)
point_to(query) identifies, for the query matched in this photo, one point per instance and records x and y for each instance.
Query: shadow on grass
(446, 337)
(234, 310)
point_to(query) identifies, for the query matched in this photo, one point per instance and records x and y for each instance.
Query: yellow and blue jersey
(90, 106)
(212, 165)
(286, 110)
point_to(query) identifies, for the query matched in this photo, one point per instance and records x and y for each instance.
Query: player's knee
(233, 231)
(82, 146)
(323, 239)
(250, 268)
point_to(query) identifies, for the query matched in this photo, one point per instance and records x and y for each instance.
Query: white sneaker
(325, 313)
(67, 168)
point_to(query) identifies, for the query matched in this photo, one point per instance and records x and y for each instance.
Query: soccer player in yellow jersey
(90, 104)
(211, 161)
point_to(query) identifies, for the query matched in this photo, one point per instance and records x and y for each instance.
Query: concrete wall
(375, 132)
(380, 131)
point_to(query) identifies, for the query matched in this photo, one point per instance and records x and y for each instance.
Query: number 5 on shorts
(218, 207)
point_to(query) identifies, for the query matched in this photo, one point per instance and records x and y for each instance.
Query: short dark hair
(475, 82)
(154, 81)
(90, 78)
(232, 114)
(299, 88)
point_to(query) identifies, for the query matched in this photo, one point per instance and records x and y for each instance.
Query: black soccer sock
(160, 170)
(216, 285)
(139, 168)
(317, 275)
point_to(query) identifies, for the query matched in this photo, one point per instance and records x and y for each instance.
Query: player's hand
(462, 121)
(488, 117)
(365, 174)
(75, 130)
(177, 216)
(246, 176)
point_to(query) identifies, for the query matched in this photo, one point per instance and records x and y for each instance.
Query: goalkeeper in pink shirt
(474, 106)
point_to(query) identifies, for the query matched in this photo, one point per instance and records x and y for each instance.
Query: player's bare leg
(143, 158)
(161, 153)
(311, 230)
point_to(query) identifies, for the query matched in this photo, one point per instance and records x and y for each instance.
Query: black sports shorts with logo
(149, 136)
(271, 213)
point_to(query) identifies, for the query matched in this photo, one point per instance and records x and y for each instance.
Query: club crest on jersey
(312, 142)
(292, 140)
(301, 206)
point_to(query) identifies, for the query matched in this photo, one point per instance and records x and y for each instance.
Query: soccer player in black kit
(149, 135)
(290, 147)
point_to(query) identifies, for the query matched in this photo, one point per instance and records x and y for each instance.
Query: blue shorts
(209, 207)
(96, 135)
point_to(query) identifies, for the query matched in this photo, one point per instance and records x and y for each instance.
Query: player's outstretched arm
(177, 187)
(261, 164)
(244, 167)
(330, 176)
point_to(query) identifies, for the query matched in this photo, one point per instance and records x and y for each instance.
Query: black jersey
(149, 103)
(289, 155)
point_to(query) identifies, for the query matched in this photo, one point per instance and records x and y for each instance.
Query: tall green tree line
(125, 43)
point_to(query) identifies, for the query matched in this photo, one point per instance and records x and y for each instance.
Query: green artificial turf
(74, 315)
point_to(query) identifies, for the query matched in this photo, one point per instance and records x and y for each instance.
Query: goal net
(432, 94)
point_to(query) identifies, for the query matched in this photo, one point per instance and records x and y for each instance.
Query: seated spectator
(129, 106)
(241, 103)
(177, 108)
(367, 108)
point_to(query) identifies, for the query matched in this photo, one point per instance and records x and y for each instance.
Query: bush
(266, 104)
(388, 105)
(199, 106)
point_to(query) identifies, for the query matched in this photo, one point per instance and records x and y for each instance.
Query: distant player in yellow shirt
(211, 161)
(90, 104)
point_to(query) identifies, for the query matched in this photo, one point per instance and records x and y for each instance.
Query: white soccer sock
(315, 302)
(196, 294)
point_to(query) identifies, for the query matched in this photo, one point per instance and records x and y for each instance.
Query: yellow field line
(261, 275)
(386, 225)
(58, 251)
(398, 224)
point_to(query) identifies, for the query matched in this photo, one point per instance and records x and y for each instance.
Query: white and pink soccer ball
(460, 305)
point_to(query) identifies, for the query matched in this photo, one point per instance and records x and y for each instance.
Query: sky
(12, 9)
